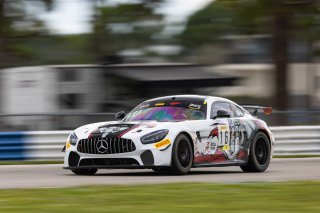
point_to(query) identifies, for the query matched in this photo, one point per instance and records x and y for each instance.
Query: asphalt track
(53, 176)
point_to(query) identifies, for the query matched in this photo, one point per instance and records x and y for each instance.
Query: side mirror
(222, 114)
(120, 115)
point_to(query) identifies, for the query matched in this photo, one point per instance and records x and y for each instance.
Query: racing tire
(84, 171)
(259, 155)
(182, 155)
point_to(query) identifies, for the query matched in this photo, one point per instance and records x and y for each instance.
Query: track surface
(47, 176)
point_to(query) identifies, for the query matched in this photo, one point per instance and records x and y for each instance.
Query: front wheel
(182, 155)
(84, 171)
(260, 154)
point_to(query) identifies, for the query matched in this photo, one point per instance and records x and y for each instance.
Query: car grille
(110, 146)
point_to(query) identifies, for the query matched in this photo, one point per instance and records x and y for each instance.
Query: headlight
(73, 139)
(154, 137)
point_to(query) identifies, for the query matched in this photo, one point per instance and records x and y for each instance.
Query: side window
(221, 106)
(238, 112)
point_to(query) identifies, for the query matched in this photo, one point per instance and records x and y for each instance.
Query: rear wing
(256, 109)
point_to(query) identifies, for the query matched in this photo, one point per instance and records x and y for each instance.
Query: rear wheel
(182, 155)
(260, 154)
(84, 171)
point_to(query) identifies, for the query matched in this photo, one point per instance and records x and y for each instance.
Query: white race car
(174, 134)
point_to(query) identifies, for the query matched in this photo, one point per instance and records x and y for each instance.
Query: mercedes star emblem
(102, 146)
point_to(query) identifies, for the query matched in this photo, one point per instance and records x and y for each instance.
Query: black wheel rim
(184, 154)
(261, 151)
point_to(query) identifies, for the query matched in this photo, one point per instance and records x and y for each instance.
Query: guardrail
(297, 140)
(47, 145)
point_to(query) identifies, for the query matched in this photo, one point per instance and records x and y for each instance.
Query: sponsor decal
(175, 103)
(198, 136)
(160, 104)
(212, 143)
(207, 145)
(67, 145)
(112, 129)
(148, 125)
(242, 154)
(127, 130)
(203, 159)
(225, 142)
(144, 106)
(226, 147)
(223, 128)
(236, 139)
(194, 106)
(136, 131)
(224, 135)
(162, 143)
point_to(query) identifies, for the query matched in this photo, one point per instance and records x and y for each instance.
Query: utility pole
(281, 30)
(283, 13)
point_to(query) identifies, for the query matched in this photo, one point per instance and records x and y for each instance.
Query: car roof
(199, 97)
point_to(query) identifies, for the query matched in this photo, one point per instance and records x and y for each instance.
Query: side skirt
(236, 163)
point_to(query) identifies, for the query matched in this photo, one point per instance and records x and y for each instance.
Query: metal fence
(47, 145)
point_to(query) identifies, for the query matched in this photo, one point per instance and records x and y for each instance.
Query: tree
(208, 25)
(124, 26)
(15, 24)
(280, 18)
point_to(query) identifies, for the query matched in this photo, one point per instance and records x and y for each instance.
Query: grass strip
(292, 197)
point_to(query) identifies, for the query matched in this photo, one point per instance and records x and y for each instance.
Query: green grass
(294, 197)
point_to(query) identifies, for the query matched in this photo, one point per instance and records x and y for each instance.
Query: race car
(174, 134)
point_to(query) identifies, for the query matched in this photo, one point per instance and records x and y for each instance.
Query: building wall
(89, 89)
(51, 89)
(258, 81)
(28, 90)
(255, 80)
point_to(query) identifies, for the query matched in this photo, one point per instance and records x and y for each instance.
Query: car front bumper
(144, 156)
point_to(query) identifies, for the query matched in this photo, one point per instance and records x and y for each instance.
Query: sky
(73, 16)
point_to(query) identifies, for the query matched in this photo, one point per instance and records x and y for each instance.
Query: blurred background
(65, 63)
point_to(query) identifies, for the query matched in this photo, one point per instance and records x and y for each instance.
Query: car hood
(117, 129)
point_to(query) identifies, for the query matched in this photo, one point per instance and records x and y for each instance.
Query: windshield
(169, 111)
